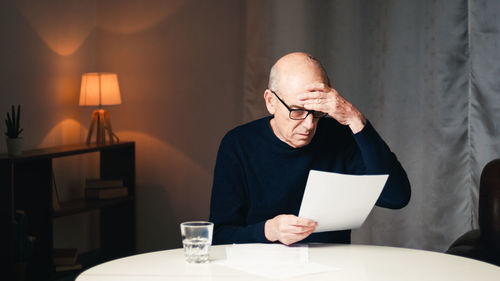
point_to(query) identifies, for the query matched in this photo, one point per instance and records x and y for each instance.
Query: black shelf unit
(25, 184)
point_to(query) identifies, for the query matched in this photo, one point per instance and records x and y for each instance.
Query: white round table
(355, 262)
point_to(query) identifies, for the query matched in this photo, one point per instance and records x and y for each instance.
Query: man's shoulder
(245, 134)
(250, 128)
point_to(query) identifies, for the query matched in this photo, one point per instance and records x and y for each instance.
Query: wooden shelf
(84, 205)
(61, 151)
(26, 184)
(87, 259)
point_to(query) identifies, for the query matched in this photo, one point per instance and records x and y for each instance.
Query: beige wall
(180, 65)
(44, 49)
(180, 68)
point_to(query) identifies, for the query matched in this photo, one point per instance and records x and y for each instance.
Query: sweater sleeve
(228, 206)
(373, 156)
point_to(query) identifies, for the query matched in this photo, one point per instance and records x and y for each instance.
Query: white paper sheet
(269, 252)
(275, 261)
(338, 201)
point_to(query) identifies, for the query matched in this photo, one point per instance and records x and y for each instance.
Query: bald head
(291, 76)
(295, 65)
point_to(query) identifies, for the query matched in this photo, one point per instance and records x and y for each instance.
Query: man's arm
(228, 206)
(372, 155)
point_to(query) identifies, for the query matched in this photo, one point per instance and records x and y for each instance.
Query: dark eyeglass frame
(315, 114)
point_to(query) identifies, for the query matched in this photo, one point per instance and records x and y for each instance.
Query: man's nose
(309, 121)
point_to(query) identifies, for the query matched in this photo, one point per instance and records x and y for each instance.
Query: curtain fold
(423, 72)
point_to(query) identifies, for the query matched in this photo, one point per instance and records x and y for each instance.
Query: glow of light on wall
(63, 25)
(68, 131)
(131, 16)
(162, 157)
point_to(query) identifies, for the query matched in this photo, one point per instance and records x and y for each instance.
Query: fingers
(291, 220)
(313, 106)
(317, 91)
(296, 229)
(335, 106)
(324, 98)
(318, 107)
(311, 96)
(289, 229)
(290, 238)
(319, 104)
(303, 221)
(324, 101)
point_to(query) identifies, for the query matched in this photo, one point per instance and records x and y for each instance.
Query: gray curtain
(424, 72)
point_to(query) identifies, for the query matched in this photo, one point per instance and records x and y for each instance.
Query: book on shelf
(76, 266)
(55, 195)
(103, 183)
(64, 256)
(106, 193)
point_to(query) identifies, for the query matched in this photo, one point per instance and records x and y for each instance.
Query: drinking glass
(196, 240)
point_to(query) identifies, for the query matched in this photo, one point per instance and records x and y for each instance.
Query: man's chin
(300, 142)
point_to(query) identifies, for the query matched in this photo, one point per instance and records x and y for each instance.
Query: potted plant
(14, 142)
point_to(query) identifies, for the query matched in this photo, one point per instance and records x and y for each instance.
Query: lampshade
(100, 88)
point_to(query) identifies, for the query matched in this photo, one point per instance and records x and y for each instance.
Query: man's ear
(269, 98)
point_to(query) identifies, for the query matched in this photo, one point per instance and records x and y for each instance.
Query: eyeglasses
(300, 114)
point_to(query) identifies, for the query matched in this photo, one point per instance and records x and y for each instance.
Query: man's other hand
(288, 229)
(322, 97)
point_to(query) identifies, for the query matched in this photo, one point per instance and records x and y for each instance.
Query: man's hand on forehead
(321, 97)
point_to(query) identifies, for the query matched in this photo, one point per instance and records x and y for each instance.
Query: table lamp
(98, 89)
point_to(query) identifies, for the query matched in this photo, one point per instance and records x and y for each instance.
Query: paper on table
(275, 261)
(268, 252)
(338, 201)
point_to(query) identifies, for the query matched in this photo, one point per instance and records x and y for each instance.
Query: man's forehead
(299, 78)
(300, 84)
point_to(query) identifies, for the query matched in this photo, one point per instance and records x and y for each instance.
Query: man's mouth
(304, 134)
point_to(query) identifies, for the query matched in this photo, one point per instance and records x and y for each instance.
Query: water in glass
(197, 249)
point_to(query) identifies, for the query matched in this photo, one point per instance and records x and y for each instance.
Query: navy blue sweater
(257, 176)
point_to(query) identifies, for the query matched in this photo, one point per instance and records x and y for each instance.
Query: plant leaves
(13, 116)
(13, 122)
(18, 117)
(8, 122)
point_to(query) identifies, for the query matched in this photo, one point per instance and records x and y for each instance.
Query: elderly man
(262, 166)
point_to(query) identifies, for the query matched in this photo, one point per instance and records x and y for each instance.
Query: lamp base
(100, 117)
